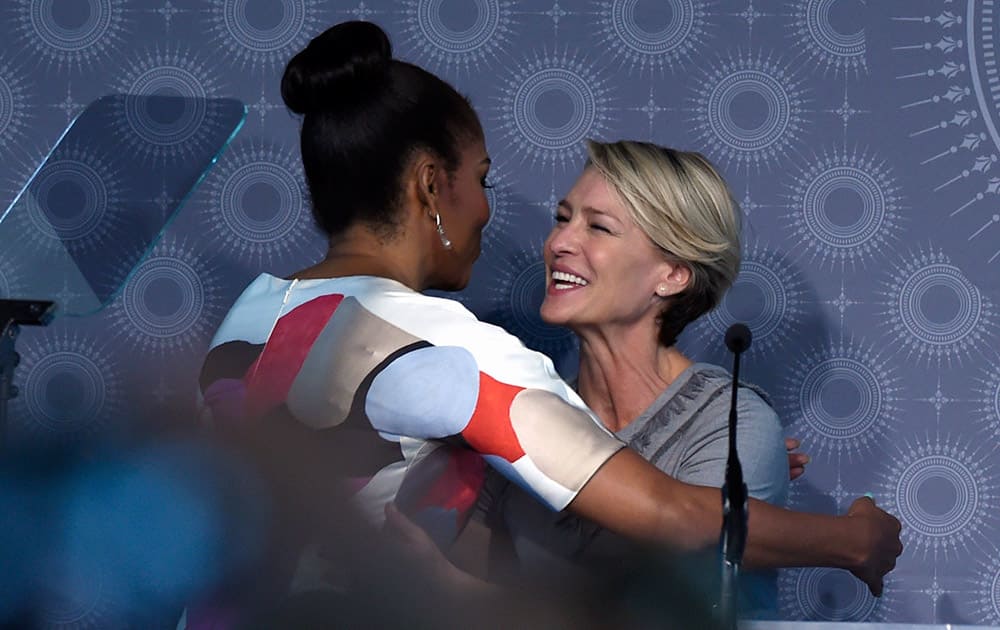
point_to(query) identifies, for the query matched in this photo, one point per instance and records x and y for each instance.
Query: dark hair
(364, 114)
(681, 309)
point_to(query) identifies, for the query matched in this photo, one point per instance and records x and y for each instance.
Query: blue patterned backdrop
(860, 138)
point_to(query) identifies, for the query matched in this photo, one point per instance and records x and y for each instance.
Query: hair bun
(349, 51)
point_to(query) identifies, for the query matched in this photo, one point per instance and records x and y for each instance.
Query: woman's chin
(552, 315)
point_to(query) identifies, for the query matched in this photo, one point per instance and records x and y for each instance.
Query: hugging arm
(531, 427)
(651, 506)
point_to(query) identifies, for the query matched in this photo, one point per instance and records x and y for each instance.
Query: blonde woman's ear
(674, 281)
(680, 275)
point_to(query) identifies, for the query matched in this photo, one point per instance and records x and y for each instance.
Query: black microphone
(738, 338)
(733, 538)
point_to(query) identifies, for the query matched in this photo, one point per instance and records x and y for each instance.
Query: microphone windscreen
(738, 338)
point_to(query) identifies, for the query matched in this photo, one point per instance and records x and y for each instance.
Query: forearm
(633, 498)
(781, 538)
(630, 496)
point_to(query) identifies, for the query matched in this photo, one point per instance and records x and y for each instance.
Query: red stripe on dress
(272, 374)
(489, 431)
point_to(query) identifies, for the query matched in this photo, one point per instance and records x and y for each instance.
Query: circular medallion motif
(941, 511)
(69, 386)
(841, 398)
(929, 286)
(265, 33)
(170, 302)
(165, 114)
(458, 34)
(71, 200)
(838, 43)
(763, 305)
(557, 84)
(72, 34)
(653, 34)
(163, 298)
(941, 490)
(934, 311)
(749, 110)
(823, 594)
(550, 106)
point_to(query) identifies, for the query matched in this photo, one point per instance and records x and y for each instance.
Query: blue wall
(861, 138)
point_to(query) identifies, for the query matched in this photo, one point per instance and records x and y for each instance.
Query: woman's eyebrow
(605, 213)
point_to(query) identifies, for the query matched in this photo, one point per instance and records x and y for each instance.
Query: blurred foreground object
(131, 534)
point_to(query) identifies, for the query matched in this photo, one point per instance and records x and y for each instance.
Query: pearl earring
(440, 231)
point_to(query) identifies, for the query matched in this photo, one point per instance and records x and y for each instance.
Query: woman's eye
(599, 228)
(559, 218)
(484, 184)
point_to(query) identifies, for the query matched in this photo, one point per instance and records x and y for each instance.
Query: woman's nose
(564, 238)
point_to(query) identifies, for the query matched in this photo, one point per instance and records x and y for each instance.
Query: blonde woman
(645, 242)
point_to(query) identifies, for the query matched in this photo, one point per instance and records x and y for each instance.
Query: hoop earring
(440, 231)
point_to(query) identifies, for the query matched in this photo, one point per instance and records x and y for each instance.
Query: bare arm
(654, 507)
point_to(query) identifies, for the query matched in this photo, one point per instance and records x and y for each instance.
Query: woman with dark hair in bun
(411, 393)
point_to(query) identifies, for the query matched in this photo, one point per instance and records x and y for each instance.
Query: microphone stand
(733, 537)
(13, 314)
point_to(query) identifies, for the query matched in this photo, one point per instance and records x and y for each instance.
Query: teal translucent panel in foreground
(102, 197)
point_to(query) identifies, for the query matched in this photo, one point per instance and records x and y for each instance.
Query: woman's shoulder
(442, 321)
(387, 298)
(760, 434)
(439, 320)
(706, 395)
(710, 377)
(267, 297)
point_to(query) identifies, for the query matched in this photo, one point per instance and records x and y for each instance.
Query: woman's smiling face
(601, 267)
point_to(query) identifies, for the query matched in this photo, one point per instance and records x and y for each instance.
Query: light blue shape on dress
(428, 393)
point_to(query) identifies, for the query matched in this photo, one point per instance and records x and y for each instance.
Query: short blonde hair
(685, 207)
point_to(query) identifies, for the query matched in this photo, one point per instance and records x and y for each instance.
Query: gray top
(685, 434)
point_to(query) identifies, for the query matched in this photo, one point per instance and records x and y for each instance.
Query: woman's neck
(359, 252)
(623, 370)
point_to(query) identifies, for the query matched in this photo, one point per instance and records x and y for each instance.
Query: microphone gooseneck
(733, 538)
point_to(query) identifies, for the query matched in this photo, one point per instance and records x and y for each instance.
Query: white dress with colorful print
(419, 391)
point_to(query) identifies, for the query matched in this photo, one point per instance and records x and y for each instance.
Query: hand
(880, 543)
(414, 542)
(796, 461)
(421, 550)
